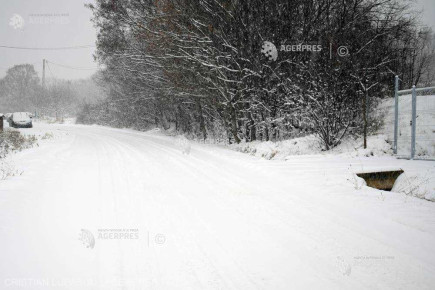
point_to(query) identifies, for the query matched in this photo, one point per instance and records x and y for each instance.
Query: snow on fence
(414, 122)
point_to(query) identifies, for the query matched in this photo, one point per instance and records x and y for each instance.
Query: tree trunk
(234, 124)
(365, 118)
(252, 128)
(201, 119)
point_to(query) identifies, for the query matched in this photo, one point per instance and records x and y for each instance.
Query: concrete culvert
(383, 180)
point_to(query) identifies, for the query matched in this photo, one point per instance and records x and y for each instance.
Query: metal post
(396, 112)
(414, 119)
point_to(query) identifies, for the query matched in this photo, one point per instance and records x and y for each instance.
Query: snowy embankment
(11, 142)
(418, 183)
(377, 146)
(15, 141)
(417, 180)
(210, 218)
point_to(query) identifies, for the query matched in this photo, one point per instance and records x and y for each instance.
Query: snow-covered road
(214, 219)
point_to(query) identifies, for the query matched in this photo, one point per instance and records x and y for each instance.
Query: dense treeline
(21, 90)
(198, 66)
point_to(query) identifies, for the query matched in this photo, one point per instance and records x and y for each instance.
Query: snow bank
(12, 140)
(279, 150)
(183, 144)
(418, 184)
(378, 145)
(53, 120)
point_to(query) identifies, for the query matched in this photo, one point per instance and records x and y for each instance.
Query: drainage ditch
(383, 180)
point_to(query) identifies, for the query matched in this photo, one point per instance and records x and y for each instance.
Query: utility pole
(43, 80)
(43, 74)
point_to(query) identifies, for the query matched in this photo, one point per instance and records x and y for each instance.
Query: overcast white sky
(48, 23)
(64, 23)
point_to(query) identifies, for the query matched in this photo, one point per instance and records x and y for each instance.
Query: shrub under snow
(12, 140)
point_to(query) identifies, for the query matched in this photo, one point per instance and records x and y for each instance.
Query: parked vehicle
(20, 120)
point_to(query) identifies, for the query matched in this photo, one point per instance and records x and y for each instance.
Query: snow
(21, 116)
(419, 183)
(280, 150)
(212, 219)
(183, 144)
(378, 145)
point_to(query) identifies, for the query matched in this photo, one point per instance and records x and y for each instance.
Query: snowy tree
(197, 66)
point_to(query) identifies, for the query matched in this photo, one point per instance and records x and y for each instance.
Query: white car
(21, 120)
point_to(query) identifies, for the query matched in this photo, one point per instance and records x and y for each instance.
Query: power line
(48, 48)
(72, 67)
(60, 65)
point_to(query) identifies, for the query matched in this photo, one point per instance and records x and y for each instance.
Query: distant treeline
(21, 91)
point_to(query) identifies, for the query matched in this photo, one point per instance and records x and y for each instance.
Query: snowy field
(211, 219)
